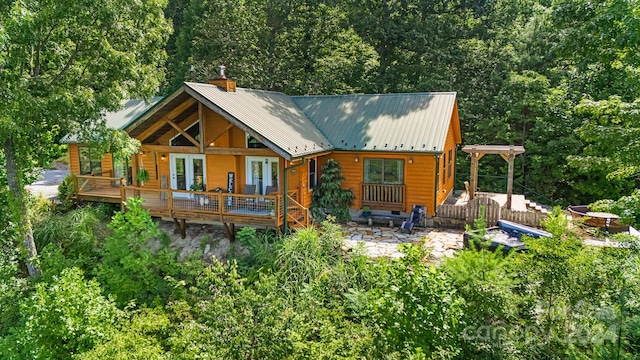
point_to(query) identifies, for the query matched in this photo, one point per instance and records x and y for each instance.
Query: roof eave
(135, 122)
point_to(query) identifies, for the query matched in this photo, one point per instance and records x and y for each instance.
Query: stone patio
(384, 241)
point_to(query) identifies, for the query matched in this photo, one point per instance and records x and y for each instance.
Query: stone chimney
(221, 81)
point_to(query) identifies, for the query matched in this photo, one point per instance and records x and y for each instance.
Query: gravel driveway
(47, 184)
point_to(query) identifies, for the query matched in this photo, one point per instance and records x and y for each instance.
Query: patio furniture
(414, 218)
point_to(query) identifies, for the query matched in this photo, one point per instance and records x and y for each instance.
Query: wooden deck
(518, 201)
(254, 210)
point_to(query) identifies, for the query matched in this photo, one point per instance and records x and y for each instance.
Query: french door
(187, 171)
(263, 172)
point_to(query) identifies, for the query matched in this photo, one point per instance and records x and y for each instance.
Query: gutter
(286, 183)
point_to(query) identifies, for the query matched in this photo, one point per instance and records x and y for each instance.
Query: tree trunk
(17, 190)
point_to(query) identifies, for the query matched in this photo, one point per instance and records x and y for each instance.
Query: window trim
(315, 174)
(444, 169)
(401, 174)
(450, 164)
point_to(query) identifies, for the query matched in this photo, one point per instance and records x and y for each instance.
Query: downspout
(435, 188)
(286, 183)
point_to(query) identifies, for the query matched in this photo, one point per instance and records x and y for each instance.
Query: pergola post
(508, 153)
(473, 179)
(511, 160)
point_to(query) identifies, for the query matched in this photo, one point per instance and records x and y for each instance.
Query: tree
(329, 197)
(62, 63)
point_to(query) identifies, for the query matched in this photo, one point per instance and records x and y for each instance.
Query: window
(122, 169)
(450, 165)
(444, 168)
(313, 174)
(253, 143)
(383, 171)
(90, 161)
(180, 140)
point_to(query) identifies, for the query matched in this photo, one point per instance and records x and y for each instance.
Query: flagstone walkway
(384, 241)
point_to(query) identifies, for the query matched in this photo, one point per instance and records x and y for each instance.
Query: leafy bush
(66, 191)
(68, 316)
(627, 207)
(419, 311)
(129, 268)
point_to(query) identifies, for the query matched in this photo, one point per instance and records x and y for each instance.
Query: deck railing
(174, 203)
(384, 196)
(88, 184)
(214, 206)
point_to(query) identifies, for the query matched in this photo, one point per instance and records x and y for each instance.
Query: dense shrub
(627, 207)
(65, 317)
(129, 269)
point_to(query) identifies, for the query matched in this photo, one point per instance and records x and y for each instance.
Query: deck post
(231, 231)
(182, 226)
(123, 194)
(76, 188)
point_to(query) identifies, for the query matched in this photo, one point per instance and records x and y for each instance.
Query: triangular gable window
(193, 130)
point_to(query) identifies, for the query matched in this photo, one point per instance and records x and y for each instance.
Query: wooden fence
(457, 214)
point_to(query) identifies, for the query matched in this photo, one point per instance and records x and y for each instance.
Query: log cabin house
(214, 152)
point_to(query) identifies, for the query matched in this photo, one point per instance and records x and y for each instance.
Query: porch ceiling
(158, 111)
(166, 128)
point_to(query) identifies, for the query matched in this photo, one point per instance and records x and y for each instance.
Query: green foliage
(13, 288)
(76, 235)
(68, 316)
(329, 197)
(129, 269)
(627, 207)
(557, 223)
(142, 175)
(418, 310)
(65, 192)
(138, 338)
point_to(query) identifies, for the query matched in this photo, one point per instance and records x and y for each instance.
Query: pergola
(507, 152)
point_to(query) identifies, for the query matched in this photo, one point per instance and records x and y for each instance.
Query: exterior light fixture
(163, 157)
(410, 159)
(356, 159)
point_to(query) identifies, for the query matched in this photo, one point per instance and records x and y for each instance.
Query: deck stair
(297, 215)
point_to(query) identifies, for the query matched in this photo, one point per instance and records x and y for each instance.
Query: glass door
(263, 172)
(187, 173)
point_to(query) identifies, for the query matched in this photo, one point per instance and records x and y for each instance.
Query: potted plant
(366, 211)
(271, 208)
(142, 175)
(199, 186)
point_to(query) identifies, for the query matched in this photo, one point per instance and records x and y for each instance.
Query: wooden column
(511, 160)
(473, 180)
(123, 195)
(202, 128)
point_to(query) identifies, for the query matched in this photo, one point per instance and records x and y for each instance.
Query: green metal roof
(414, 122)
(269, 115)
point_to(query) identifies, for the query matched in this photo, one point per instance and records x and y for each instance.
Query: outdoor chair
(414, 219)
(270, 190)
(249, 189)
